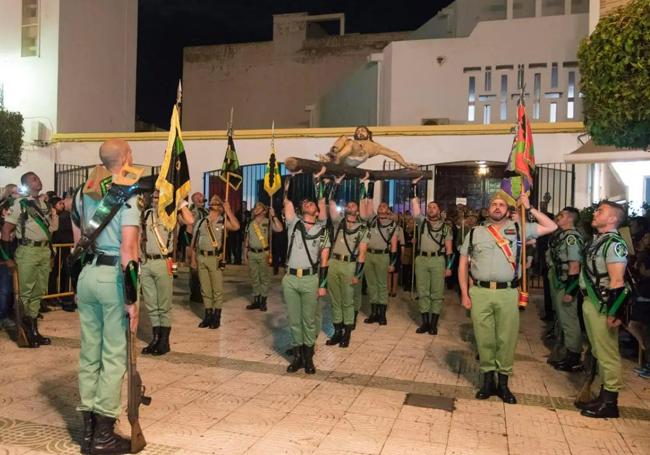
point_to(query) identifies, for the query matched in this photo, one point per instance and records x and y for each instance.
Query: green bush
(11, 138)
(615, 73)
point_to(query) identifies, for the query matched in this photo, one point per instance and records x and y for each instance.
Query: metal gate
(554, 186)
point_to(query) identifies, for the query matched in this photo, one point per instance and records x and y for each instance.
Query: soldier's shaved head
(114, 153)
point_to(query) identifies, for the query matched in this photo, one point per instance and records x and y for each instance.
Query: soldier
(306, 278)
(156, 249)
(433, 260)
(348, 254)
(101, 291)
(257, 253)
(206, 256)
(493, 250)
(603, 283)
(381, 255)
(197, 207)
(566, 253)
(35, 223)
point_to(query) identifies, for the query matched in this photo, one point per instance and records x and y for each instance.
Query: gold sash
(259, 235)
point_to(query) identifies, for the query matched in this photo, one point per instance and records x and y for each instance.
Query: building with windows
(467, 65)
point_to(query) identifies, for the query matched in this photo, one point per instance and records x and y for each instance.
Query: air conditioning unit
(39, 132)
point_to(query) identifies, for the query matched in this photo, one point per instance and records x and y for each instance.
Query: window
(537, 95)
(571, 95)
(487, 111)
(523, 8)
(30, 32)
(554, 75)
(579, 6)
(488, 78)
(552, 7)
(503, 108)
(471, 108)
(552, 113)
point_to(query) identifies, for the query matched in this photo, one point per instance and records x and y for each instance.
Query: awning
(592, 153)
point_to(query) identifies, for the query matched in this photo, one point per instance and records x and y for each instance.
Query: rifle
(591, 368)
(136, 395)
(21, 336)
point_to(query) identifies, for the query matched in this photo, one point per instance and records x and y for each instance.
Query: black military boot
(207, 317)
(433, 328)
(503, 391)
(163, 346)
(148, 349)
(582, 405)
(308, 356)
(88, 430)
(215, 322)
(297, 362)
(30, 333)
(256, 303)
(426, 323)
(338, 334)
(105, 440)
(373, 314)
(263, 303)
(605, 407)
(43, 341)
(345, 337)
(487, 387)
(381, 314)
(571, 363)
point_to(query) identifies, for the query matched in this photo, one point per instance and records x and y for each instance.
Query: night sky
(166, 26)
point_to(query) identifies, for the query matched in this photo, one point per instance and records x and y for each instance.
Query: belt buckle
(299, 273)
(493, 284)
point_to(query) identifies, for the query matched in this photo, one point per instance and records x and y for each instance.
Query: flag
(272, 181)
(230, 172)
(521, 163)
(173, 182)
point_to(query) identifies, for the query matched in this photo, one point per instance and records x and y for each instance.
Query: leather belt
(430, 253)
(373, 251)
(153, 257)
(303, 272)
(260, 250)
(27, 242)
(210, 252)
(497, 284)
(340, 257)
(102, 259)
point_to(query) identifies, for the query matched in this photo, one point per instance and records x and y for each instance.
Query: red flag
(521, 163)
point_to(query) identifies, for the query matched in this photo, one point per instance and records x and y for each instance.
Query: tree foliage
(11, 138)
(615, 72)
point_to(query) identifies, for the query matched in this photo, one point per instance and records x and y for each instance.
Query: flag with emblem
(521, 163)
(230, 171)
(173, 182)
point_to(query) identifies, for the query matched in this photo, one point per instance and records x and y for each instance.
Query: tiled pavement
(225, 391)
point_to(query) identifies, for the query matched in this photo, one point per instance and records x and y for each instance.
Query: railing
(60, 281)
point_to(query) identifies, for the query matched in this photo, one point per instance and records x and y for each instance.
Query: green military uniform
(208, 238)
(198, 212)
(431, 263)
(564, 247)
(157, 279)
(300, 284)
(494, 295)
(34, 226)
(345, 249)
(606, 248)
(258, 255)
(100, 300)
(380, 235)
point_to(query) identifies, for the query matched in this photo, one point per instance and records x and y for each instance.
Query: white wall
(430, 90)
(30, 83)
(97, 65)
(354, 102)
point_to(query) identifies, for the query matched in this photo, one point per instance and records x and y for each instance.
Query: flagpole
(225, 218)
(523, 290)
(271, 199)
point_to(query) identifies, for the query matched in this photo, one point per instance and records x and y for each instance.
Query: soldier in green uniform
(603, 283)
(206, 256)
(490, 255)
(257, 253)
(381, 255)
(33, 223)
(347, 258)
(566, 253)
(156, 248)
(198, 210)
(102, 305)
(306, 278)
(433, 260)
